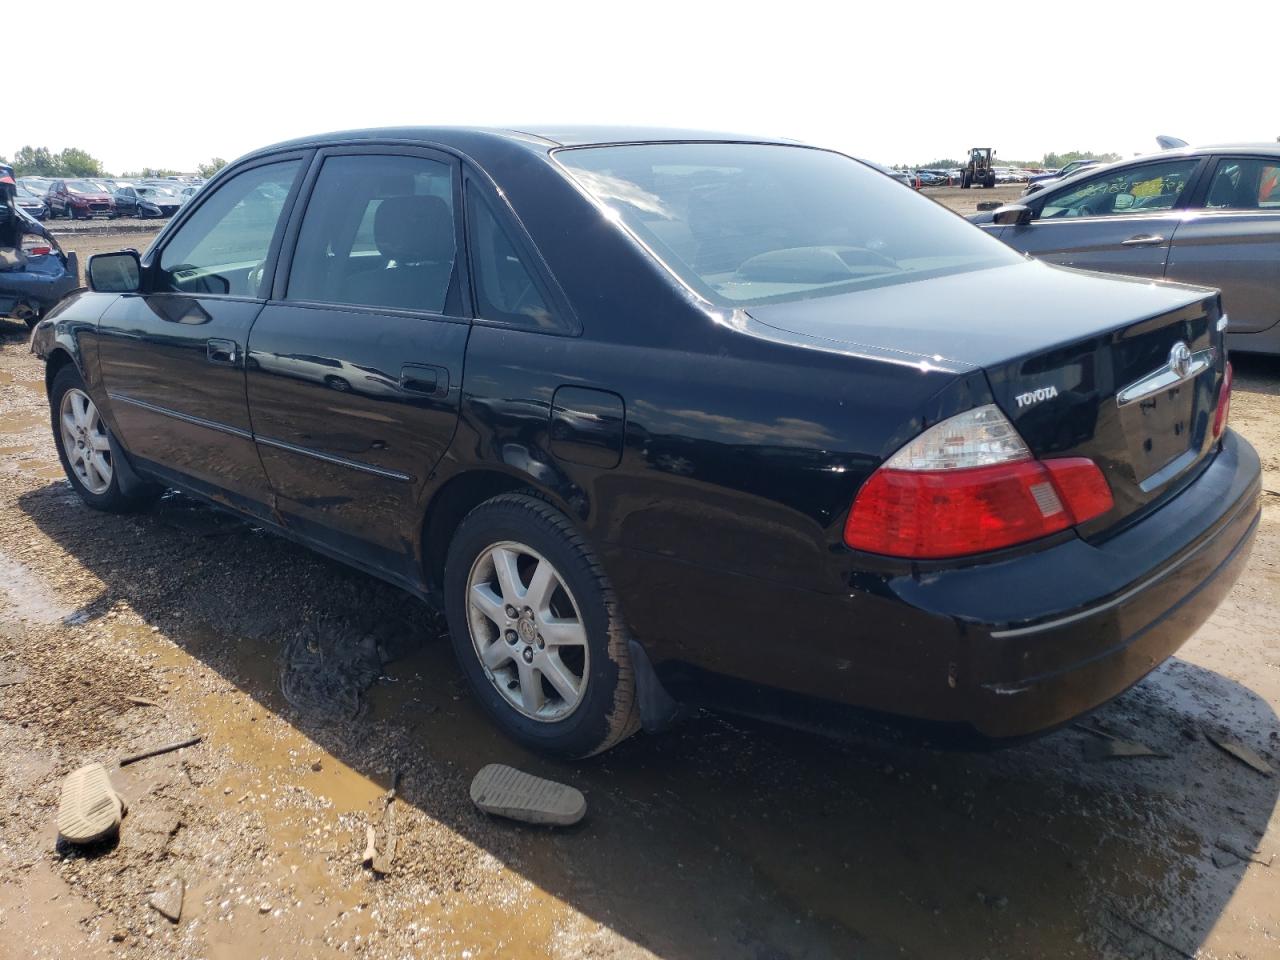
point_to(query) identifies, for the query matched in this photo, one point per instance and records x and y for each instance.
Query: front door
(1119, 221)
(355, 366)
(172, 356)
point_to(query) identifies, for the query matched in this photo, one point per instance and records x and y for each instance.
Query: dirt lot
(721, 840)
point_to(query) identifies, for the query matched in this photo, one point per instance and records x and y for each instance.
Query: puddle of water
(20, 421)
(242, 718)
(26, 596)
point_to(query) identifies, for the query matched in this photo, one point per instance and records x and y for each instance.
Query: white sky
(892, 82)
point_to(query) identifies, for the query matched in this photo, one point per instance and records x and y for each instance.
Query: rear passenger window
(505, 288)
(1244, 184)
(378, 232)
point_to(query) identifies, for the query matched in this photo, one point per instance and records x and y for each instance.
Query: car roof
(534, 137)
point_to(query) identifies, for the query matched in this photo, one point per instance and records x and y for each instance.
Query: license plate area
(1159, 429)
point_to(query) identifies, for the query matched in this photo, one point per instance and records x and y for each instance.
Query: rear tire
(87, 449)
(495, 564)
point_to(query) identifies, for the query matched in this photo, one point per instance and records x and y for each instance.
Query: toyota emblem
(1180, 358)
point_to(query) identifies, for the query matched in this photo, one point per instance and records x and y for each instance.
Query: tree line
(72, 162)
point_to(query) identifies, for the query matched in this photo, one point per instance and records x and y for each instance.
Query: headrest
(414, 229)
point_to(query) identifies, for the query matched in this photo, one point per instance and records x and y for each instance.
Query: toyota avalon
(666, 417)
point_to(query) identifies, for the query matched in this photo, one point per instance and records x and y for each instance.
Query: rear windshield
(753, 223)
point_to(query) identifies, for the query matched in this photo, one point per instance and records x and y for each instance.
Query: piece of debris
(167, 900)
(1241, 753)
(90, 808)
(325, 669)
(1113, 748)
(264, 907)
(370, 851)
(383, 861)
(507, 792)
(1222, 860)
(1239, 851)
(168, 748)
(1154, 936)
(317, 767)
(142, 702)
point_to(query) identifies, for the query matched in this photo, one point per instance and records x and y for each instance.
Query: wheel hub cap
(85, 441)
(527, 631)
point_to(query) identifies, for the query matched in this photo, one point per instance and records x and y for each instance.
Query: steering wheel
(253, 279)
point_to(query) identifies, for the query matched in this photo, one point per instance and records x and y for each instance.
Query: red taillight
(951, 513)
(1224, 403)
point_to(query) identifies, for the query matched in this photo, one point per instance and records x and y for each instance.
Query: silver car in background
(1204, 215)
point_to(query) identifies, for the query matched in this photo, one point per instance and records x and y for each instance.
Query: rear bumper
(1100, 652)
(33, 291)
(1005, 649)
(1108, 627)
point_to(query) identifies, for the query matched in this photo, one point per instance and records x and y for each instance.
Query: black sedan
(662, 416)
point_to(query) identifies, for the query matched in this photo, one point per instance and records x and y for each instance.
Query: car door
(172, 356)
(355, 365)
(1119, 221)
(125, 202)
(1230, 239)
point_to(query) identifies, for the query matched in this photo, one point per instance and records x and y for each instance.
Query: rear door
(1119, 221)
(1231, 240)
(173, 356)
(355, 366)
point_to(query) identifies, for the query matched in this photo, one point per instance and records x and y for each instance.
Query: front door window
(222, 249)
(1146, 188)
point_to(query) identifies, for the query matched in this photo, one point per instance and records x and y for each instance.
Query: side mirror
(115, 272)
(1010, 215)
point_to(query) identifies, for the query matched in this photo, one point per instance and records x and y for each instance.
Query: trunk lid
(1124, 372)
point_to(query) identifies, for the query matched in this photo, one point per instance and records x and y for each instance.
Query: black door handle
(428, 381)
(222, 351)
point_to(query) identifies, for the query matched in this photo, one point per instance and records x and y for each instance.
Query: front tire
(536, 629)
(86, 448)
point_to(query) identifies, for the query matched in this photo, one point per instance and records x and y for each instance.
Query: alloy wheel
(85, 441)
(527, 631)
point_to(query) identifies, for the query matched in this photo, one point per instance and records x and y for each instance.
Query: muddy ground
(724, 839)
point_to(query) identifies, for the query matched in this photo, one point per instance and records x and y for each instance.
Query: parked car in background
(900, 175)
(928, 178)
(78, 199)
(736, 422)
(38, 185)
(1010, 175)
(146, 200)
(1040, 180)
(1208, 215)
(34, 204)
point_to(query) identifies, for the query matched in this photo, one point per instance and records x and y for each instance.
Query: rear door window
(222, 249)
(1244, 183)
(379, 231)
(1145, 188)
